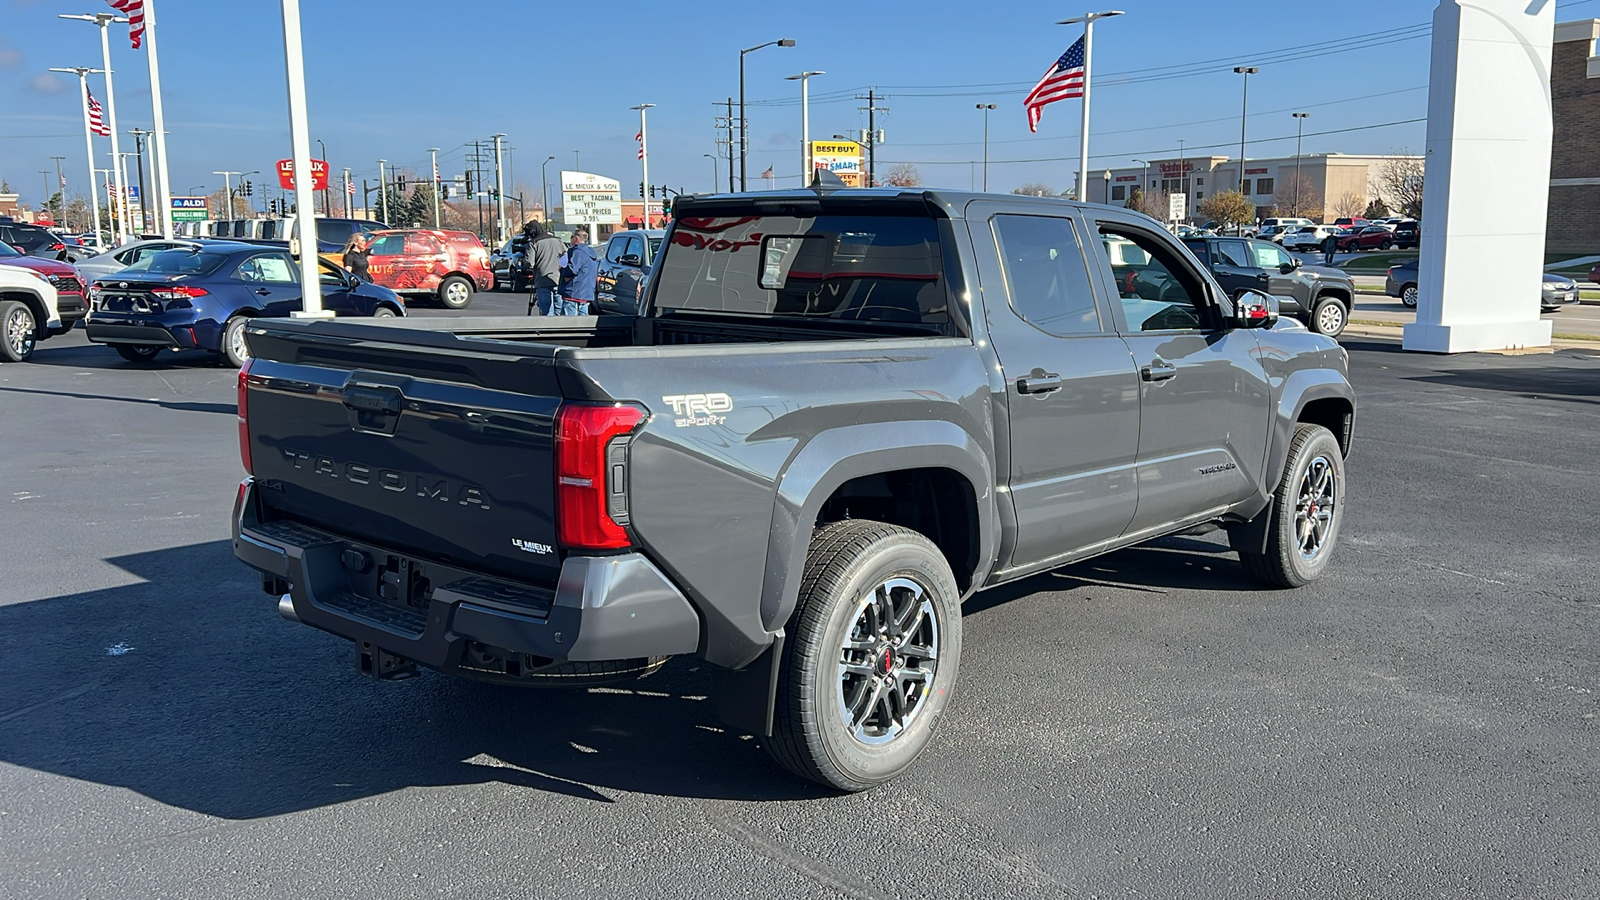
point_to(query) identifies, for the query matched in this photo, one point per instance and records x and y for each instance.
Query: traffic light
(249, 189)
(641, 189)
(666, 206)
(652, 192)
(469, 182)
(400, 182)
(444, 190)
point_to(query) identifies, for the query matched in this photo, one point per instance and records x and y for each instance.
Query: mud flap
(746, 697)
(1251, 536)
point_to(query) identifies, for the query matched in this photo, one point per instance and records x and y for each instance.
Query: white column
(163, 199)
(1083, 139)
(88, 149)
(499, 195)
(433, 154)
(644, 163)
(111, 119)
(1489, 123)
(300, 142)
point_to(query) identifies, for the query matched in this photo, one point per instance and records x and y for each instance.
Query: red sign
(1171, 169)
(1261, 171)
(319, 174)
(1122, 178)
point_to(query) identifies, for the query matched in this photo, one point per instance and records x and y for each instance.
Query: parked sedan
(125, 256)
(1370, 237)
(1555, 292)
(201, 297)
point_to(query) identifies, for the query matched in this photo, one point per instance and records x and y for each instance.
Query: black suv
(34, 240)
(624, 265)
(1408, 234)
(1318, 296)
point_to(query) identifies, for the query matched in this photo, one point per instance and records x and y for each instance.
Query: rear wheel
(234, 348)
(1328, 316)
(1408, 295)
(455, 292)
(137, 352)
(1386, 245)
(871, 658)
(1305, 512)
(19, 331)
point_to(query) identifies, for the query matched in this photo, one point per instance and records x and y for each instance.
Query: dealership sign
(588, 199)
(319, 174)
(189, 209)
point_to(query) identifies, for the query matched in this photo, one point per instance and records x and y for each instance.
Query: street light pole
(499, 194)
(383, 189)
(1299, 130)
(433, 155)
(744, 139)
(986, 107)
(102, 20)
(1083, 139)
(1244, 112)
(544, 185)
(805, 123)
(644, 161)
(1144, 176)
(325, 209)
(88, 146)
(713, 171)
(227, 189)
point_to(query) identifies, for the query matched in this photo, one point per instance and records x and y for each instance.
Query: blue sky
(394, 78)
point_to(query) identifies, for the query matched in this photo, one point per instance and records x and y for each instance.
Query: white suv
(1307, 237)
(27, 312)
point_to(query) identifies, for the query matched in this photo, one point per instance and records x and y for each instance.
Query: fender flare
(836, 456)
(1300, 388)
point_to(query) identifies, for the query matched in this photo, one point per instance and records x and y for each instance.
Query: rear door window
(387, 245)
(271, 268)
(1047, 278)
(422, 245)
(1234, 253)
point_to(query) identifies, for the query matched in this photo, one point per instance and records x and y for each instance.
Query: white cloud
(48, 83)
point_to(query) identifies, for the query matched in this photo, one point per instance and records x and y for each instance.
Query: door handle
(263, 292)
(1158, 370)
(1039, 384)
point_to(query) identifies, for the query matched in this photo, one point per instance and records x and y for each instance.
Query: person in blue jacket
(578, 271)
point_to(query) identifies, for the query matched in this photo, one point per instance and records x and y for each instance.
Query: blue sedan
(200, 298)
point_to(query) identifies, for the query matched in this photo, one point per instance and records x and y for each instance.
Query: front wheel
(455, 292)
(1328, 317)
(871, 656)
(19, 331)
(1305, 512)
(383, 312)
(1408, 296)
(1385, 245)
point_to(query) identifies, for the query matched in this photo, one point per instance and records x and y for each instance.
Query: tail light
(592, 474)
(244, 417)
(179, 292)
(57, 247)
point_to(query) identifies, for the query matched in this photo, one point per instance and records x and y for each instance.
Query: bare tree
(1347, 206)
(904, 175)
(1035, 189)
(1154, 204)
(1400, 181)
(1298, 195)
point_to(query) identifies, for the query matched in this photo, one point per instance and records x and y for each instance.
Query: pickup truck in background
(1319, 296)
(624, 265)
(836, 416)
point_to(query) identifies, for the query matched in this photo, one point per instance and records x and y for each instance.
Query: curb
(1393, 334)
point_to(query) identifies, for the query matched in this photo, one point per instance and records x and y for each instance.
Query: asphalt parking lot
(1420, 723)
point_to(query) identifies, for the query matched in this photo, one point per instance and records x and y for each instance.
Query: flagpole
(644, 161)
(121, 205)
(163, 185)
(1083, 138)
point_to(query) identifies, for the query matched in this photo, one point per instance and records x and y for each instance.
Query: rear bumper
(178, 331)
(463, 623)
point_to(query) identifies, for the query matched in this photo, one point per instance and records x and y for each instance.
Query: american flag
(1064, 80)
(640, 138)
(767, 173)
(134, 10)
(63, 182)
(350, 188)
(97, 122)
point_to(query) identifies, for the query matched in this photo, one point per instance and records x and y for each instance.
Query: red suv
(450, 265)
(70, 295)
(1372, 237)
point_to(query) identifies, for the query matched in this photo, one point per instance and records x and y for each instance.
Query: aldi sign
(190, 209)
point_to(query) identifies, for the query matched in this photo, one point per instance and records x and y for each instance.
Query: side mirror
(630, 259)
(1290, 266)
(1254, 309)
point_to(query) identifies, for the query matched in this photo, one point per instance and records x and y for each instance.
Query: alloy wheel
(1331, 319)
(1409, 296)
(20, 331)
(888, 661)
(1314, 508)
(457, 293)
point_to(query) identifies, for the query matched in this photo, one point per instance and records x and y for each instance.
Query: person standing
(355, 256)
(544, 259)
(1330, 245)
(578, 275)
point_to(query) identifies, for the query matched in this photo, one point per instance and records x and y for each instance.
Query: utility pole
(45, 175)
(144, 196)
(347, 193)
(499, 196)
(730, 145)
(227, 187)
(872, 109)
(61, 185)
(383, 189)
(433, 154)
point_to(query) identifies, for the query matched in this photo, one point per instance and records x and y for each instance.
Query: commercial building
(1573, 223)
(1314, 185)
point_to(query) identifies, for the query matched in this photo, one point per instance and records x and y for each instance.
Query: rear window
(871, 268)
(177, 262)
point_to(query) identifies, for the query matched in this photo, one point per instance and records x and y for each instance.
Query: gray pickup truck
(837, 416)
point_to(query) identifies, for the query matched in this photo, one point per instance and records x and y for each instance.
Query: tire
(235, 351)
(1301, 496)
(455, 292)
(383, 312)
(854, 570)
(1385, 245)
(19, 331)
(137, 353)
(1408, 295)
(1329, 316)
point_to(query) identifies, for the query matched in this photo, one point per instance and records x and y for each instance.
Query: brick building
(1574, 216)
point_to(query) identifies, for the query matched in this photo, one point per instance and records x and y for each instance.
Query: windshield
(177, 262)
(877, 268)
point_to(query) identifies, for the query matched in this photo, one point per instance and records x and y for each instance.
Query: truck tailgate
(415, 442)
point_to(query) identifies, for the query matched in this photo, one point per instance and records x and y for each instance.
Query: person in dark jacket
(1330, 245)
(578, 276)
(544, 252)
(355, 256)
